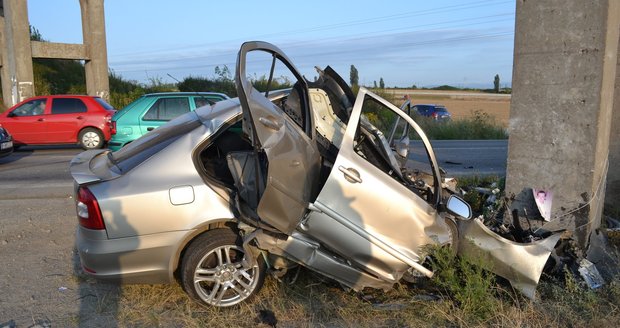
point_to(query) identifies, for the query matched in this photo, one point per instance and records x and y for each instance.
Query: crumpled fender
(521, 264)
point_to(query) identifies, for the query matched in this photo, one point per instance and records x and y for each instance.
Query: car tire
(90, 138)
(212, 272)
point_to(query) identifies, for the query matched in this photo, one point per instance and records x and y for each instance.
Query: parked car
(313, 175)
(153, 110)
(60, 119)
(437, 112)
(6, 142)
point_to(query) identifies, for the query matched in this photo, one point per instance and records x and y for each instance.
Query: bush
(480, 126)
(471, 288)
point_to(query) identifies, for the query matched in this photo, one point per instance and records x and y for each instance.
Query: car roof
(62, 96)
(432, 105)
(158, 94)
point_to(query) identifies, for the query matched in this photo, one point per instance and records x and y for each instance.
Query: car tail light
(435, 115)
(113, 129)
(88, 211)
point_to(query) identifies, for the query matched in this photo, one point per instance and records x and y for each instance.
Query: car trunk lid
(93, 166)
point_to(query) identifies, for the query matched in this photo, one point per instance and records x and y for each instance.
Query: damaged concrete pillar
(93, 31)
(16, 70)
(564, 72)
(612, 196)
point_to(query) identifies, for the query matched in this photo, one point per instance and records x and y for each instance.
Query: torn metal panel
(521, 264)
(309, 253)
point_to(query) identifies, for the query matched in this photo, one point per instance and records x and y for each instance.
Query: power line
(409, 14)
(327, 53)
(410, 29)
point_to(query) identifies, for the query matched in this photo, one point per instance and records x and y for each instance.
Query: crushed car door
(283, 131)
(370, 210)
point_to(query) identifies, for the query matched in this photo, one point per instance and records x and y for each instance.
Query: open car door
(280, 131)
(375, 209)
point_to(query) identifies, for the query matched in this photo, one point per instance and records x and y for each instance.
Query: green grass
(480, 126)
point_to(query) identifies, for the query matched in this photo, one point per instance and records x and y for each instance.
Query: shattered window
(388, 142)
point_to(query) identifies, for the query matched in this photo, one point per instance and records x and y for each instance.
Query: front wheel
(91, 138)
(212, 272)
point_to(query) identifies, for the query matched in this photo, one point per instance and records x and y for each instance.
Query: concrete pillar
(612, 196)
(563, 85)
(16, 70)
(93, 30)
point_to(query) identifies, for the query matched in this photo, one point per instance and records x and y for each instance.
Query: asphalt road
(472, 157)
(37, 172)
(43, 172)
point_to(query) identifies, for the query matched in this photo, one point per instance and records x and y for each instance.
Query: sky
(423, 43)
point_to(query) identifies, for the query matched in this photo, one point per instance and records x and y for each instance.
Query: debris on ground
(492, 207)
(590, 274)
(8, 324)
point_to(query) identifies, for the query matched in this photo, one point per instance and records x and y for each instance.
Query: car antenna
(192, 90)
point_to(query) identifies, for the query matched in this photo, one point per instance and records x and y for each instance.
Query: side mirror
(11, 114)
(402, 147)
(457, 206)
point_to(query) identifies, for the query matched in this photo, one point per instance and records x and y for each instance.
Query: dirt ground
(460, 104)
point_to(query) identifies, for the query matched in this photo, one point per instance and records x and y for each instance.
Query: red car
(85, 120)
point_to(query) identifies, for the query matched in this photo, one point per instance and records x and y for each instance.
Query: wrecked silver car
(346, 185)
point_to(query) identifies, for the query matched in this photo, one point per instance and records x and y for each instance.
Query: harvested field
(461, 104)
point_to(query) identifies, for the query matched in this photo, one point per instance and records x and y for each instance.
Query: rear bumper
(114, 146)
(118, 141)
(140, 259)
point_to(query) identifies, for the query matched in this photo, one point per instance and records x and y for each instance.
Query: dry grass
(461, 104)
(313, 301)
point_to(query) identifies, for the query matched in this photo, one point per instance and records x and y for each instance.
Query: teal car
(153, 110)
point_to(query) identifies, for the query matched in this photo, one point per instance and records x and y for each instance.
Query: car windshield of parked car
(30, 108)
(141, 149)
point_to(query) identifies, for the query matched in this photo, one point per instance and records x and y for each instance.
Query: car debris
(507, 257)
(310, 175)
(590, 274)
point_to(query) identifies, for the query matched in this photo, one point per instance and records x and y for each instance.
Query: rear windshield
(149, 144)
(104, 104)
(441, 109)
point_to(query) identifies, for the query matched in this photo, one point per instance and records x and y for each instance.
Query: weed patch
(479, 126)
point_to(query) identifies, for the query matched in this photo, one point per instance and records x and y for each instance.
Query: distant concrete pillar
(16, 67)
(564, 72)
(612, 197)
(93, 30)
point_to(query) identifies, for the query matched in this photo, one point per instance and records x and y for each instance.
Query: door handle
(80, 117)
(350, 174)
(150, 128)
(41, 120)
(270, 123)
